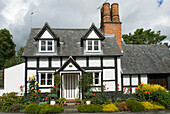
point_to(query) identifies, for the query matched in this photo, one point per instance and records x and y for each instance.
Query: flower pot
(52, 102)
(88, 102)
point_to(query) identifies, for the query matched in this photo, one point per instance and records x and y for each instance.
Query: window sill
(46, 85)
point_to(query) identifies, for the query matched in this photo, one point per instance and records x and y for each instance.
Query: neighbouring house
(72, 52)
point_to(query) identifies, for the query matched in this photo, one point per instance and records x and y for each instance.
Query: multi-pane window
(46, 46)
(46, 79)
(93, 45)
(96, 78)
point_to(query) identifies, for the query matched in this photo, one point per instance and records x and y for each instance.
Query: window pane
(96, 81)
(49, 48)
(96, 78)
(43, 79)
(96, 45)
(49, 79)
(90, 45)
(43, 48)
(49, 43)
(42, 42)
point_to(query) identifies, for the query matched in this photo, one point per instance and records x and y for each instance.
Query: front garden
(146, 97)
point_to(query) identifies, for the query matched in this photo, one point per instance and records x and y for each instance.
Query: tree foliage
(7, 46)
(14, 60)
(142, 36)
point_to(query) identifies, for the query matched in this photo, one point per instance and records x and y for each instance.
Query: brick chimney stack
(110, 21)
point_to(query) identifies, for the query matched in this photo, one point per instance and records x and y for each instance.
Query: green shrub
(90, 108)
(110, 108)
(135, 106)
(47, 108)
(15, 108)
(150, 106)
(162, 97)
(62, 100)
(32, 108)
(8, 99)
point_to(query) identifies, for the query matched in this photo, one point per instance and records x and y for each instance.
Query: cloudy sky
(15, 15)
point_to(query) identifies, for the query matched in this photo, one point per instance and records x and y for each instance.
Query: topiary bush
(47, 108)
(162, 97)
(110, 108)
(149, 106)
(32, 108)
(135, 106)
(123, 107)
(90, 108)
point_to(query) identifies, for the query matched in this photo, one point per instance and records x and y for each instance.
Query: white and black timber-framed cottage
(72, 52)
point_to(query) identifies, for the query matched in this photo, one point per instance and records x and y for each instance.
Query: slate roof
(145, 59)
(70, 44)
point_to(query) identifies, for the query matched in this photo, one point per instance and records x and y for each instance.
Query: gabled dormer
(47, 40)
(92, 40)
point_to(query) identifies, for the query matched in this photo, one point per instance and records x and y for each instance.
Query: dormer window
(93, 45)
(46, 46)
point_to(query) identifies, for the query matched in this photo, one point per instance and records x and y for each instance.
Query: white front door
(70, 86)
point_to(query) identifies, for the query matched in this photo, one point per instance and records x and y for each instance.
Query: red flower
(124, 88)
(34, 93)
(127, 90)
(148, 92)
(53, 86)
(46, 98)
(39, 90)
(101, 101)
(51, 90)
(130, 87)
(139, 89)
(21, 86)
(141, 84)
(118, 88)
(95, 87)
(107, 88)
(93, 94)
(117, 84)
(136, 88)
(143, 89)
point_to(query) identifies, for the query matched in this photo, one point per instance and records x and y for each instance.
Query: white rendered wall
(144, 79)
(70, 66)
(92, 35)
(45, 90)
(46, 35)
(55, 62)
(31, 73)
(1, 92)
(94, 62)
(110, 85)
(81, 61)
(14, 77)
(43, 62)
(108, 62)
(108, 74)
(31, 62)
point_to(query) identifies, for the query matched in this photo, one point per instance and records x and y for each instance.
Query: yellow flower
(36, 82)
(32, 88)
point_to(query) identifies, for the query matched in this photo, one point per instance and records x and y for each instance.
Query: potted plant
(52, 98)
(77, 101)
(62, 100)
(88, 95)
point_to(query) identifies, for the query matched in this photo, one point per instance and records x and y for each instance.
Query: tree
(7, 46)
(144, 37)
(14, 60)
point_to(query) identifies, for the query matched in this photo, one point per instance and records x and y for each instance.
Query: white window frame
(99, 46)
(46, 74)
(94, 78)
(46, 44)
